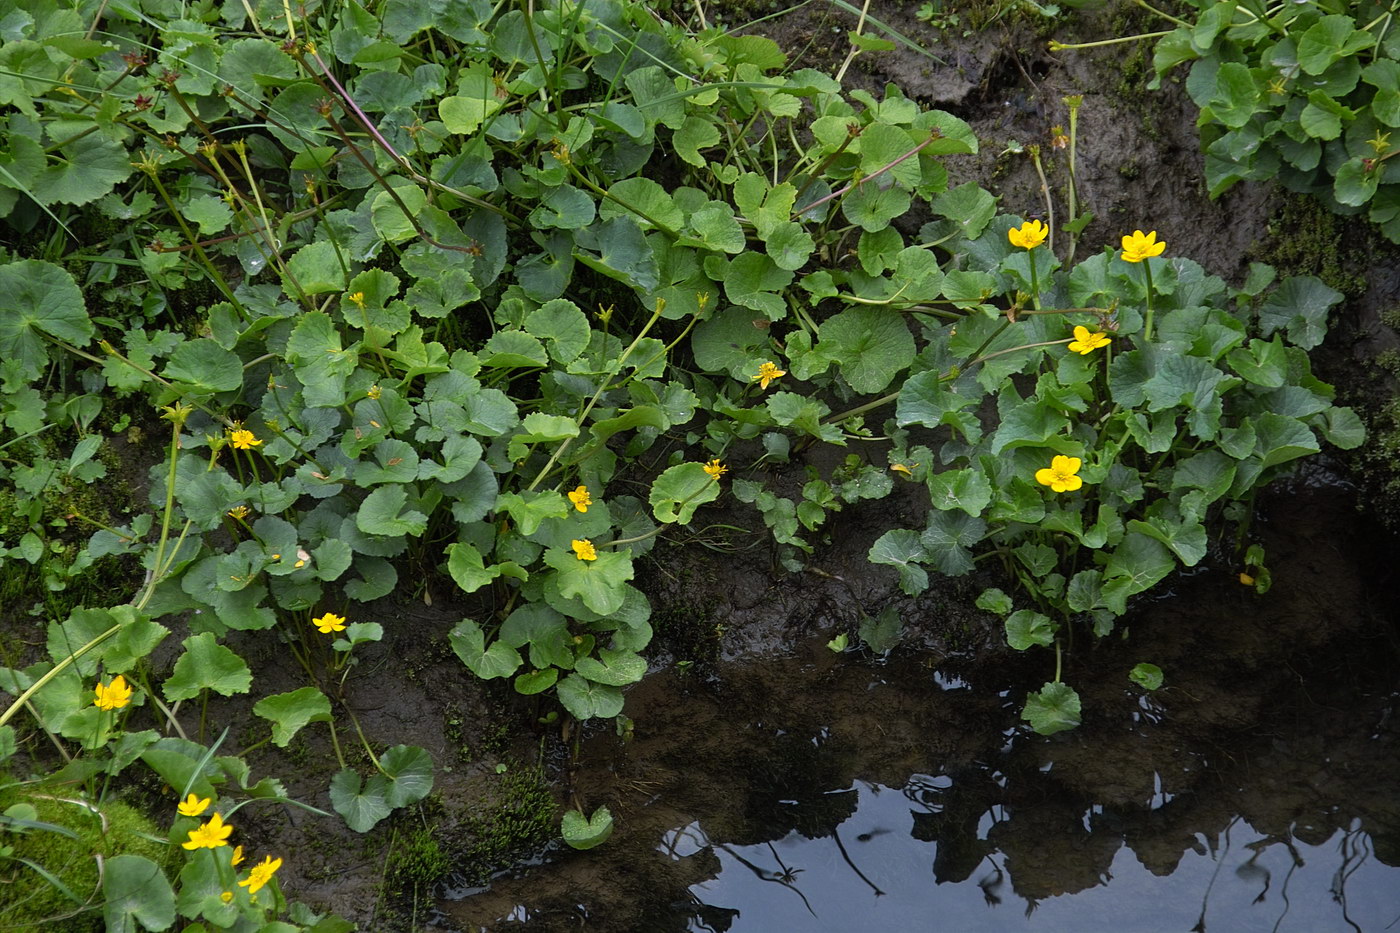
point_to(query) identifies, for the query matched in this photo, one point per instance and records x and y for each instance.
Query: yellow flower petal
(583, 549)
(1029, 235)
(194, 806)
(581, 498)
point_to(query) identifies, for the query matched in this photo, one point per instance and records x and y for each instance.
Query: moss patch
(31, 904)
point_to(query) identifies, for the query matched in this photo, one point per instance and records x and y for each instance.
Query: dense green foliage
(497, 295)
(1308, 93)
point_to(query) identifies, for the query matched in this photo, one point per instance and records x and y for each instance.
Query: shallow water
(1258, 791)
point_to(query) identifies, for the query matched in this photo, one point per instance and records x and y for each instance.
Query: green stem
(1049, 205)
(602, 387)
(335, 743)
(1147, 326)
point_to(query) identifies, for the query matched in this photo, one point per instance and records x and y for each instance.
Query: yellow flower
(357, 299)
(243, 439)
(581, 499)
(238, 511)
(237, 856)
(114, 695)
(1061, 475)
(210, 835)
(373, 392)
(261, 874)
(903, 468)
(1085, 343)
(194, 806)
(584, 549)
(767, 372)
(1029, 235)
(716, 469)
(330, 622)
(1140, 246)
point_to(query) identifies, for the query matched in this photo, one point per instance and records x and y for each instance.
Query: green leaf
(289, 712)
(206, 665)
(1054, 708)
(585, 699)
(901, 548)
(789, 244)
(529, 513)
(467, 568)
(872, 208)
(680, 490)
(1342, 428)
(563, 328)
(881, 633)
(1323, 117)
(1236, 95)
(598, 583)
(617, 668)
(362, 804)
(410, 771)
(469, 644)
(38, 297)
(726, 342)
(695, 134)
(969, 206)
(618, 249)
(966, 489)
(87, 166)
(315, 269)
(1280, 439)
(463, 113)
(1264, 363)
(1137, 564)
(1025, 628)
(533, 682)
(1355, 182)
(565, 207)
(135, 890)
(1329, 40)
(582, 832)
(1147, 676)
(383, 513)
(995, 601)
(753, 280)
(539, 428)
(205, 367)
(717, 228)
(134, 641)
(948, 541)
(871, 344)
(644, 195)
(1299, 306)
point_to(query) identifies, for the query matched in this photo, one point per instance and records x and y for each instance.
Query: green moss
(415, 861)
(1306, 238)
(515, 824)
(32, 904)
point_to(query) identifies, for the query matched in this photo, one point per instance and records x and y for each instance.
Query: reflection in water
(1241, 880)
(1259, 792)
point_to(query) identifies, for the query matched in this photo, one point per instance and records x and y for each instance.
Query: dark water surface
(1258, 791)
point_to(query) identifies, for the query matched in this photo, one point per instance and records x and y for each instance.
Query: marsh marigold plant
(1029, 235)
(1085, 342)
(114, 695)
(210, 835)
(1061, 476)
(1138, 246)
(581, 498)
